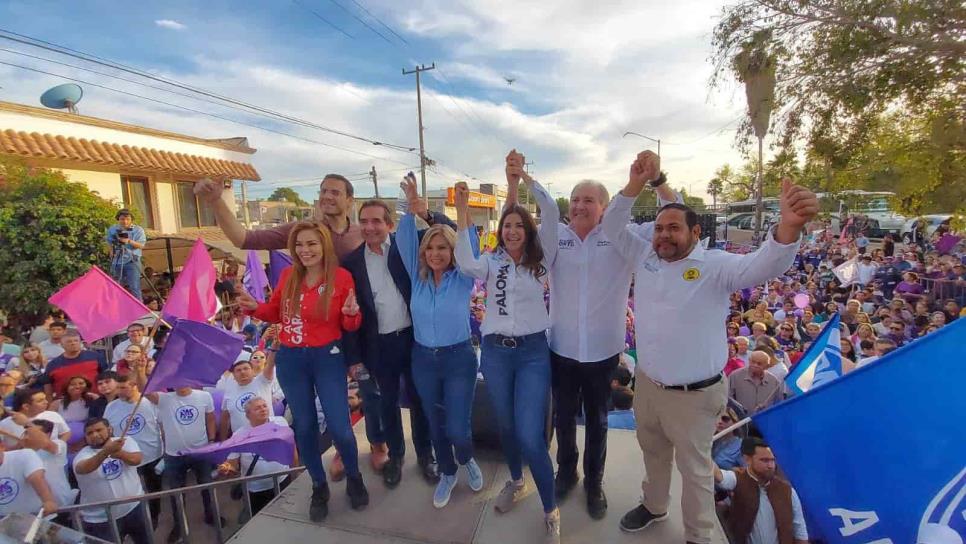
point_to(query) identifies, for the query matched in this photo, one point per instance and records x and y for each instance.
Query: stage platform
(406, 515)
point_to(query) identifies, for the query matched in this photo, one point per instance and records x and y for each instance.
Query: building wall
(167, 216)
(106, 184)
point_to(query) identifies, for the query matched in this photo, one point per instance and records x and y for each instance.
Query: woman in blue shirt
(444, 363)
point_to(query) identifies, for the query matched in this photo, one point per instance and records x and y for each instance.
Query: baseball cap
(122, 212)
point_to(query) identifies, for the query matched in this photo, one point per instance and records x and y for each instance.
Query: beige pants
(678, 426)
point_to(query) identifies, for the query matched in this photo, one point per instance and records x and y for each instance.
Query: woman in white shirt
(515, 358)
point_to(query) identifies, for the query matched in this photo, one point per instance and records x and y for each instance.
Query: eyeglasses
(258, 356)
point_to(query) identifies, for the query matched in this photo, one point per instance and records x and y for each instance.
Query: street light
(646, 138)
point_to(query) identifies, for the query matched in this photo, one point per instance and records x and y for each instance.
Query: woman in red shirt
(315, 302)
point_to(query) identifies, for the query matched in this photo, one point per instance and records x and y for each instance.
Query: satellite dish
(64, 96)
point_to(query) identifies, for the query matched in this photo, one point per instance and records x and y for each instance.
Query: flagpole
(154, 330)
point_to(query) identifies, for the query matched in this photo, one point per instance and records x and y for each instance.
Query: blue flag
(822, 362)
(277, 261)
(195, 354)
(879, 455)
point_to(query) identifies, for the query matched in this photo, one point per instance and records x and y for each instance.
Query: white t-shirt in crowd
(237, 395)
(263, 466)
(227, 378)
(114, 479)
(120, 349)
(8, 425)
(145, 429)
(779, 370)
(183, 419)
(50, 349)
(55, 472)
(16, 495)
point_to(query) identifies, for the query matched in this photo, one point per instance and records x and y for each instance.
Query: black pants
(395, 362)
(132, 524)
(572, 381)
(260, 499)
(175, 475)
(152, 484)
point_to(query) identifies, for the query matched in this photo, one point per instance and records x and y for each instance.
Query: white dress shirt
(590, 281)
(514, 297)
(681, 306)
(391, 310)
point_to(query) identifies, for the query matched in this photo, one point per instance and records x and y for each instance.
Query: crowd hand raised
(209, 189)
(798, 205)
(646, 168)
(514, 168)
(351, 306)
(461, 195)
(245, 300)
(270, 334)
(417, 205)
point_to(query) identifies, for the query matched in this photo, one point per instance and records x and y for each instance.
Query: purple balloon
(801, 300)
(799, 312)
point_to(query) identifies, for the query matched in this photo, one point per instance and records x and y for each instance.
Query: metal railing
(180, 516)
(940, 289)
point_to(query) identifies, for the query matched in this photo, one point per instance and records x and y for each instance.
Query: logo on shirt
(243, 400)
(9, 489)
(604, 243)
(111, 468)
(566, 244)
(136, 424)
(186, 415)
(500, 294)
(691, 274)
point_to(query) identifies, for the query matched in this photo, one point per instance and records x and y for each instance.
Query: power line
(378, 20)
(63, 50)
(321, 18)
(354, 16)
(216, 116)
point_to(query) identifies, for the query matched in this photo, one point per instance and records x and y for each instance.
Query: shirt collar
(385, 248)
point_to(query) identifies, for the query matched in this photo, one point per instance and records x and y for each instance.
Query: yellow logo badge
(691, 274)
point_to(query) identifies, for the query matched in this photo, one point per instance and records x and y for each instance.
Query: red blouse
(308, 329)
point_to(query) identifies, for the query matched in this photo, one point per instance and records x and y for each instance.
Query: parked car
(932, 223)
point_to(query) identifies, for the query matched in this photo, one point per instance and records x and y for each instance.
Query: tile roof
(49, 146)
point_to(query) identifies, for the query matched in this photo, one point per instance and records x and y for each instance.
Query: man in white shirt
(29, 405)
(51, 347)
(589, 285)
(682, 296)
(53, 455)
(23, 488)
(106, 470)
(136, 334)
(142, 426)
(260, 492)
(246, 385)
(188, 418)
(757, 494)
(866, 270)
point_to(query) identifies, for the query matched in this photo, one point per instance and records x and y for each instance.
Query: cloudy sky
(586, 71)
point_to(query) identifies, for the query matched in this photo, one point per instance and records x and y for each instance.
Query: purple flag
(273, 442)
(255, 280)
(195, 355)
(947, 243)
(277, 262)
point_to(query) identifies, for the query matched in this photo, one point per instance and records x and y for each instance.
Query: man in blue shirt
(126, 240)
(622, 416)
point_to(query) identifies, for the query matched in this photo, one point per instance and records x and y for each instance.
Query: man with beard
(681, 344)
(106, 470)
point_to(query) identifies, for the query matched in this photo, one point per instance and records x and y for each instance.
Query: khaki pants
(679, 425)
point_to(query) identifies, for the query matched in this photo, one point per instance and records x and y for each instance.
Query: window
(137, 198)
(190, 210)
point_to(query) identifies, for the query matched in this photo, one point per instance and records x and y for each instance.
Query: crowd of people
(373, 315)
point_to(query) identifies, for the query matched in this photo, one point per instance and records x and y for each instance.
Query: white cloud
(170, 24)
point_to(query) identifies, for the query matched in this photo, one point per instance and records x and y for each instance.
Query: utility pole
(375, 183)
(419, 111)
(244, 195)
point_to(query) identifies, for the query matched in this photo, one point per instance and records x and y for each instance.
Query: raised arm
(631, 244)
(513, 180)
(271, 334)
(209, 191)
(407, 236)
(548, 230)
(466, 260)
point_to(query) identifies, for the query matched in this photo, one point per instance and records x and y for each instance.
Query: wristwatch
(654, 184)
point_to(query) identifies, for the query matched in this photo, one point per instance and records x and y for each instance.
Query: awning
(84, 151)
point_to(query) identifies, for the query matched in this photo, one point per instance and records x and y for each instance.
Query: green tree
(563, 204)
(839, 63)
(51, 232)
(287, 194)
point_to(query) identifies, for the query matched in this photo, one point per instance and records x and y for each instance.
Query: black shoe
(564, 483)
(356, 489)
(392, 472)
(429, 469)
(319, 507)
(639, 518)
(209, 520)
(596, 501)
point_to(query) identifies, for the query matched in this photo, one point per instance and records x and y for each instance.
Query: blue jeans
(175, 475)
(305, 373)
(518, 379)
(128, 275)
(446, 381)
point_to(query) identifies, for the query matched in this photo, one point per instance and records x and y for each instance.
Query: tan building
(150, 171)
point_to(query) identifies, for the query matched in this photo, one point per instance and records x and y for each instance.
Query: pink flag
(193, 294)
(98, 305)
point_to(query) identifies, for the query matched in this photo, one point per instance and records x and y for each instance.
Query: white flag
(847, 272)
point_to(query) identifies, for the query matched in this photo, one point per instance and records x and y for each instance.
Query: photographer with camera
(126, 240)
